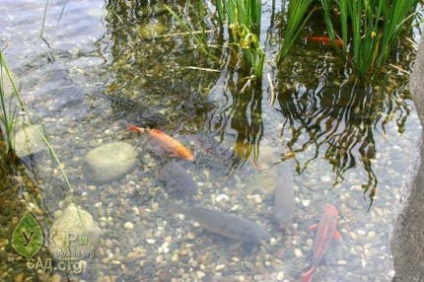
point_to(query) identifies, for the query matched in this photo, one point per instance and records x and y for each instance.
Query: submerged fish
(168, 143)
(284, 196)
(225, 224)
(325, 40)
(178, 182)
(326, 231)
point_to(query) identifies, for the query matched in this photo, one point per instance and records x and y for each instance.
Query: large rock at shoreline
(110, 162)
(29, 141)
(408, 236)
(73, 235)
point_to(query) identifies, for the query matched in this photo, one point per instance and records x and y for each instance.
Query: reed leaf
(296, 21)
(372, 27)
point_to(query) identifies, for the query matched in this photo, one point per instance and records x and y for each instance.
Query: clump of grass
(369, 30)
(8, 107)
(10, 104)
(298, 15)
(243, 18)
(372, 27)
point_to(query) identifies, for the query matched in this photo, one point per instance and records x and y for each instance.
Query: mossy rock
(73, 235)
(110, 162)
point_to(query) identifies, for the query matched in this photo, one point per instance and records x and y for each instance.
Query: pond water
(305, 127)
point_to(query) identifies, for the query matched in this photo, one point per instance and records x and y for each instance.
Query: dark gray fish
(284, 196)
(224, 224)
(177, 181)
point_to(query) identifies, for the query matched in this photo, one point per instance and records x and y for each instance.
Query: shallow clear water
(101, 67)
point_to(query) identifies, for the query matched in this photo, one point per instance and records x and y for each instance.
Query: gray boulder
(408, 232)
(29, 141)
(110, 162)
(73, 235)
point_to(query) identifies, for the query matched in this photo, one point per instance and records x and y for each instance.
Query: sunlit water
(96, 71)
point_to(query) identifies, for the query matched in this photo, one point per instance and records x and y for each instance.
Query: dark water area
(305, 127)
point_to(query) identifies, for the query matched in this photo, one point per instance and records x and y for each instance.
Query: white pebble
(219, 267)
(175, 258)
(129, 226)
(221, 197)
(306, 203)
(371, 235)
(325, 178)
(280, 276)
(164, 248)
(150, 241)
(256, 199)
(360, 232)
(298, 253)
(200, 274)
(136, 211)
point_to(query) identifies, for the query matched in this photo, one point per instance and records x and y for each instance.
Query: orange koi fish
(325, 40)
(326, 231)
(169, 143)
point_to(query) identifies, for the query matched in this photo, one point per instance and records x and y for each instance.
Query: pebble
(306, 203)
(219, 267)
(191, 235)
(135, 211)
(235, 207)
(184, 252)
(258, 277)
(56, 278)
(371, 234)
(164, 248)
(221, 197)
(150, 241)
(155, 206)
(200, 274)
(280, 276)
(128, 225)
(325, 178)
(298, 253)
(256, 199)
(175, 258)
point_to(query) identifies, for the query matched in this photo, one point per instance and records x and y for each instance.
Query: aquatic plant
(199, 37)
(372, 27)
(242, 21)
(8, 106)
(369, 30)
(243, 18)
(297, 17)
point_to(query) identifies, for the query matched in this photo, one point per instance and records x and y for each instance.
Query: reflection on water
(132, 66)
(342, 119)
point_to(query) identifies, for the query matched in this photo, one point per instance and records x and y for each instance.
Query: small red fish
(326, 231)
(169, 143)
(325, 40)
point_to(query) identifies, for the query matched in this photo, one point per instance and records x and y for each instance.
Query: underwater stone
(152, 30)
(73, 235)
(110, 162)
(29, 141)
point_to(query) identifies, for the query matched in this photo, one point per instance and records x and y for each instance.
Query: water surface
(101, 66)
